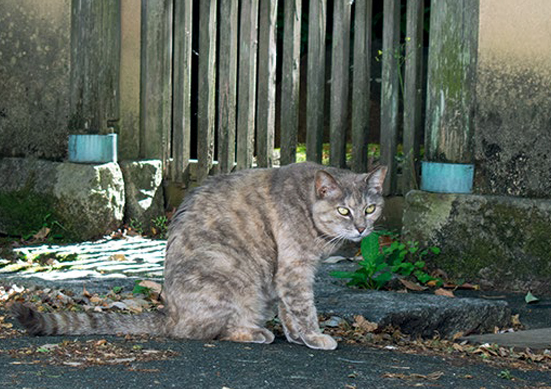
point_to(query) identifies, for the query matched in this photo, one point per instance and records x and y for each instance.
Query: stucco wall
(513, 120)
(34, 77)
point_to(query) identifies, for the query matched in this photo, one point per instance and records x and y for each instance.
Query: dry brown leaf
(432, 283)
(151, 285)
(412, 285)
(364, 324)
(85, 293)
(42, 234)
(117, 257)
(457, 335)
(444, 292)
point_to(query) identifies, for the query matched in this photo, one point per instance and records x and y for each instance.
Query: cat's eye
(343, 211)
(370, 209)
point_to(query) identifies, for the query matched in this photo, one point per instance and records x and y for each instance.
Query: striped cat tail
(71, 323)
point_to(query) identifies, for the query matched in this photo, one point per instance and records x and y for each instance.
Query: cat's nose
(360, 229)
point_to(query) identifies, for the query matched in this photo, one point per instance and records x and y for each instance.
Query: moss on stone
(25, 212)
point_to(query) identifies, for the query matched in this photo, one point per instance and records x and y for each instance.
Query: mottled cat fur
(238, 246)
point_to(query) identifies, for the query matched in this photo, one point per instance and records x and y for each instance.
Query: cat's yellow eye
(370, 209)
(343, 211)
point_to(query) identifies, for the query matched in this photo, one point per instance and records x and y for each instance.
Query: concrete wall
(513, 119)
(34, 77)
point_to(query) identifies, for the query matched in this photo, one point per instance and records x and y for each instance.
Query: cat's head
(347, 205)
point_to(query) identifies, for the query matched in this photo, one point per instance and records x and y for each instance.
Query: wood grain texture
(413, 96)
(227, 84)
(247, 72)
(390, 90)
(266, 95)
(340, 70)
(207, 88)
(451, 78)
(315, 99)
(181, 120)
(290, 80)
(361, 86)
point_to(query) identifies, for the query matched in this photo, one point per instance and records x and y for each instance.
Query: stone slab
(79, 201)
(414, 313)
(538, 339)
(500, 241)
(143, 182)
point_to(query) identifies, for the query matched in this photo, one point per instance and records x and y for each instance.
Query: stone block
(420, 314)
(77, 201)
(144, 190)
(501, 241)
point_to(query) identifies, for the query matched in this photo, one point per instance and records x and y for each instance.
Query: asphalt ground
(278, 365)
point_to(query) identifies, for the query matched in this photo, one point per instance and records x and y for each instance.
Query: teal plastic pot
(93, 148)
(447, 177)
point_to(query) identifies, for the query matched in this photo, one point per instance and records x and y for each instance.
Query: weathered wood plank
(156, 80)
(95, 54)
(340, 69)
(227, 84)
(316, 79)
(266, 83)
(246, 104)
(207, 88)
(129, 125)
(451, 79)
(413, 96)
(181, 117)
(290, 80)
(361, 86)
(390, 91)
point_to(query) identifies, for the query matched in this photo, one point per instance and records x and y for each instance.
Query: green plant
(136, 226)
(505, 374)
(160, 226)
(138, 289)
(380, 264)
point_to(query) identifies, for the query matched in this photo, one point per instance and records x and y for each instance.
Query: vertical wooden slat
(290, 81)
(95, 55)
(246, 107)
(129, 125)
(181, 119)
(207, 88)
(265, 117)
(451, 81)
(340, 59)
(227, 84)
(413, 92)
(361, 85)
(316, 80)
(156, 80)
(390, 91)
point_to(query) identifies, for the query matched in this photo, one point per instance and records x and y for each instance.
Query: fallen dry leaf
(364, 324)
(151, 285)
(42, 233)
(444, 292)
(117, 257)
(412, 285)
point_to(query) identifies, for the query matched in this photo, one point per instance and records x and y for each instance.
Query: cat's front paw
(319, 341)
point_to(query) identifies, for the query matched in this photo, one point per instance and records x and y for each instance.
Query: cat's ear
(326, 186)
(376, 178)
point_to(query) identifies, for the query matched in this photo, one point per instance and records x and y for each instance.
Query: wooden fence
(210, 71)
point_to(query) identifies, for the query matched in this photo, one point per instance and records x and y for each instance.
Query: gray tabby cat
(238, 245)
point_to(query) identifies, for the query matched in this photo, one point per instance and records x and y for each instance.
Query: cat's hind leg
(245, 323)
(248, 335)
